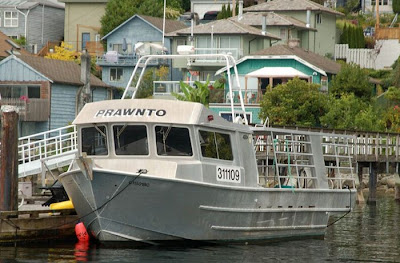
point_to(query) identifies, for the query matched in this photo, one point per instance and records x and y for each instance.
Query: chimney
(264, 24)
(240, 11)
(84, 94)
(308, 21)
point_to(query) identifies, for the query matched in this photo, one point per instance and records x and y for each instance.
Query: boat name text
(228, 174)
(130, 112)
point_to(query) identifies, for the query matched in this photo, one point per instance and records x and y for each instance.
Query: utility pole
(233, 8)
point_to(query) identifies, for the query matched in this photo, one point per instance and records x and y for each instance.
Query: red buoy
(81, 233)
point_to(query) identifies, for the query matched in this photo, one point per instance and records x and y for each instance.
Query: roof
(156, 22)
(284, 72)
(60, 71)
(7, 46)
(321, 62)
(23, 4)
(153, 111)
(223, 27)
(273, 19)
(290, 5)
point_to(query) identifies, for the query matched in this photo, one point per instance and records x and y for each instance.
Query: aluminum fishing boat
(156, 171)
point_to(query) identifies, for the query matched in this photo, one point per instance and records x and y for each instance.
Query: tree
(200, 93)
(351, 79)
(118, 11)
(351, 112)
(294, 103)
(64, 52)
(396, 6)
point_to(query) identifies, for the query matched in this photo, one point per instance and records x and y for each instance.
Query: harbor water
(371, 233)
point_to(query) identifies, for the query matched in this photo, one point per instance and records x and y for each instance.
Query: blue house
(267, 68)
(139, 35)
(38, 21)
(45, 90)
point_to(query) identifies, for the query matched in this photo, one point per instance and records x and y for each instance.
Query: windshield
(173, 141)
(130, 140)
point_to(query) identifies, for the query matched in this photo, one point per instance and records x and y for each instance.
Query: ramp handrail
(52, 143)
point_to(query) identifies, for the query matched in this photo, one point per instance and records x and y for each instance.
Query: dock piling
(9, 159)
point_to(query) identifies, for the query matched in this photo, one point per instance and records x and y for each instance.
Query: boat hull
(117, 206)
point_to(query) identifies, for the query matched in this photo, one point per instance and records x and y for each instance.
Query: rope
(340, 218)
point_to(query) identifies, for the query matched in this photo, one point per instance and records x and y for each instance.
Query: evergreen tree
(228, 11)
(221, 15)
(343, 36)
(396, 6)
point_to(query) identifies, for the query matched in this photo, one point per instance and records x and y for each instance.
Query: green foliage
(118, 11)
(354, 36)
(396, 6)
(295, 103)
(20, 41)
(395, 78)
(145, 89)
(350, 112)
(222, 14)
(351, 79)
(200, 93)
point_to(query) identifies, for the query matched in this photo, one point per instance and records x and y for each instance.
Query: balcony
(221, 96)
(113, 58)
(30, 109)
(235, 52)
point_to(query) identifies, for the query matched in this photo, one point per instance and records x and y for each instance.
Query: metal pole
(163, 27)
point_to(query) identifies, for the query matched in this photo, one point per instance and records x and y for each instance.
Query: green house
(272, 66)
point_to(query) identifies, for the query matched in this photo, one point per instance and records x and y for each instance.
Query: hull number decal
(228, 174)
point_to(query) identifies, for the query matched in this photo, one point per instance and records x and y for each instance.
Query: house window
(120, 48)
(34, 92)
(318, 17)
(10, 19)
(85, 39)
(116, 74)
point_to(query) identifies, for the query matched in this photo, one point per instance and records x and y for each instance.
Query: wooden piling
(9, 159)
(373, 180)
(360, 194)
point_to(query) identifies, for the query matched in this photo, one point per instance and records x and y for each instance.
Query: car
(369, 31)
(211, 15)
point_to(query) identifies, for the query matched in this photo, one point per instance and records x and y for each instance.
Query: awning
(277, 72)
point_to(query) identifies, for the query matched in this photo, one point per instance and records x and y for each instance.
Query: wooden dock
(37, 224)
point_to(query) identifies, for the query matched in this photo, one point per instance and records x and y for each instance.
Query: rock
(391, 182)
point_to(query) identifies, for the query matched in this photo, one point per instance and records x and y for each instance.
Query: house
(37, 21)
(384, 6)
(285, 27)
(322, 40)
(220, 36)
(8, 47)
(45, 90)
(82, 24)
(139, 35)
(267, 68)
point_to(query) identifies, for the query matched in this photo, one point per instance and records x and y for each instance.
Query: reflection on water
(369, 234)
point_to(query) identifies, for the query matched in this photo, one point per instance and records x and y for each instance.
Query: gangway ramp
(46, 150)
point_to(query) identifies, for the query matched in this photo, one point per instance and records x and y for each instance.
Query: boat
(159, 171)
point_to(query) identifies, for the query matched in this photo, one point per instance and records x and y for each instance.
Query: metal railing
(44, 145)
(168, 87)
(234, 52)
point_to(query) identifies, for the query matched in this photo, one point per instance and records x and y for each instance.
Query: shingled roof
(319, 61)
(7, 46)
(273, 19)
(290, 5)
(223, 27)
(60, 71)
(157, 22)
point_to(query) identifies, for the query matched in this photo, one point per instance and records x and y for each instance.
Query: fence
(363, 57)
(387, 33)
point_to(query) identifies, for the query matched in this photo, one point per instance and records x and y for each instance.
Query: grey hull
(117, 206)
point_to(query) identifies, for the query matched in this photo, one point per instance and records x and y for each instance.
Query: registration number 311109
(228, 174)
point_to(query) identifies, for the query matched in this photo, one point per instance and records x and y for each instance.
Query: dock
(32, 223)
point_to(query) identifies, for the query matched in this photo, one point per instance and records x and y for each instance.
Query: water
(368, 234)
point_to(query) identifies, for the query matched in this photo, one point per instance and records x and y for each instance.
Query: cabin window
(94, 140)
(173, 141)
(130, 140)
(215, 145)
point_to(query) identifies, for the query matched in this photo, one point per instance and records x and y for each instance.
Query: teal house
(276, 65)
